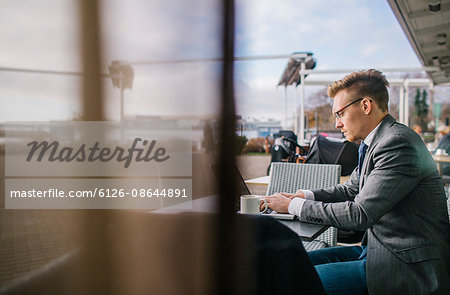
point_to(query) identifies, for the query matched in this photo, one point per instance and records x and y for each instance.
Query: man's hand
(298, 194)
(279, 202)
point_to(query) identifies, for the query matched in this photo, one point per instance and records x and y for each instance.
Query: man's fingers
(277, 195)
(262, 205)
(278, 202)
(287, 195)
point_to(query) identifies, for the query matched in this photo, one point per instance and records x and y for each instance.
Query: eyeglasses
(339, 114)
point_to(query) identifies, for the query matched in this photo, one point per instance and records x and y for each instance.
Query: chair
(290, 177)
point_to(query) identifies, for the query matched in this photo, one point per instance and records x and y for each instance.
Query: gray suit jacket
(401, 203)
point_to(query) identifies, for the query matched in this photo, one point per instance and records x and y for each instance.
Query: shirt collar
(369, 138)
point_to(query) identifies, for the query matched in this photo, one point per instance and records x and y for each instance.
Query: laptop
(244, 190)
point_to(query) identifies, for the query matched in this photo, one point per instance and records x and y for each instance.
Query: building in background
(253, 128)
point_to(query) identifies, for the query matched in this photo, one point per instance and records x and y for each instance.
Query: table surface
(441, 158)
(306, 231)
(263, 180)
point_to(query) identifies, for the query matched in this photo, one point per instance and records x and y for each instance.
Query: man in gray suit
(395, 194)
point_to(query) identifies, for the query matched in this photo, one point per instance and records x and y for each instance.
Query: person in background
(419, 130)
(442, 131)
(444, 148)
(395, 195)
(267, 145)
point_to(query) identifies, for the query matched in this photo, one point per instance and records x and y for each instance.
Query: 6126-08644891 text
(102, 193)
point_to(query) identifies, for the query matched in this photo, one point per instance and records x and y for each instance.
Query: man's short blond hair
(370, 83)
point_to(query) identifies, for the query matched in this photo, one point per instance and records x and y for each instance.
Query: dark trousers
(342, 270)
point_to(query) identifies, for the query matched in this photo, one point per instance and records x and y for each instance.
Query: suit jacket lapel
(382, 131)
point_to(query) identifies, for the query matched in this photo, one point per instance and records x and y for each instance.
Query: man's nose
(339, 123)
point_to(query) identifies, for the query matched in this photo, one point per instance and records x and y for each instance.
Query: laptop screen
(241, 186)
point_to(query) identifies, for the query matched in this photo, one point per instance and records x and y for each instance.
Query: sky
(340, 34)
(44, 35)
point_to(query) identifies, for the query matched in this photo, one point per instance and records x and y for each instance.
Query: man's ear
(367, 106)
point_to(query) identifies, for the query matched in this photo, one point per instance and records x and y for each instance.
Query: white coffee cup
(250, 204)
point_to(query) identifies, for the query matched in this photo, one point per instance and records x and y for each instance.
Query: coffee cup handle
(265, 206)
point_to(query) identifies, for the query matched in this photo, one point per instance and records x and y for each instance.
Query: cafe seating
(448, 207)
(290, 177)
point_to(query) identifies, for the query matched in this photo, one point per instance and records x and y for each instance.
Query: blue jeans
(341, 269)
